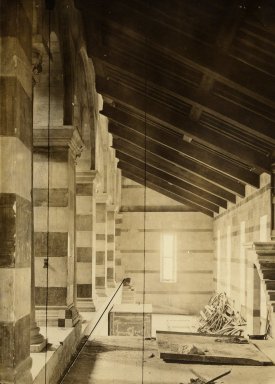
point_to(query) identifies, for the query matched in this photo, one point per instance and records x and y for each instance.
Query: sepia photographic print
(137, 203)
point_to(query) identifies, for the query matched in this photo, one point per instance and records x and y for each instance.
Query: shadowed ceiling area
(189, 92)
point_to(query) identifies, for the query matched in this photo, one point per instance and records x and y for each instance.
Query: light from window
(168, 253)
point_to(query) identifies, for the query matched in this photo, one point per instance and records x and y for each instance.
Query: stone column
(85, 240)
(101, 244)
(38, 342)
(55, 154)
(119, 273)
(111, 246)
(15, 190)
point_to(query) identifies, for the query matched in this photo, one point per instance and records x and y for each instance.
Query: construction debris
(219, 317)
(192, 350)
(200, 380)
(172, 347)
(232, 340)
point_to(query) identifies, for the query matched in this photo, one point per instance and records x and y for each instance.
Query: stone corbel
(76, 144)
(86, 177)
(59, 137)
(36, 65)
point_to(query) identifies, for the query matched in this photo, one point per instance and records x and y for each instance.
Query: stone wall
(234, 230)
(141, 249)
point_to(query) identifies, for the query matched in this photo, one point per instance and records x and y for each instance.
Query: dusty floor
(123, 360)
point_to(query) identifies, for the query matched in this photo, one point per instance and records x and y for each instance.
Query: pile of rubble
(219, 317)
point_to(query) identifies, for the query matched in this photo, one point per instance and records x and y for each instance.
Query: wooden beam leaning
(143, 165)
(171, 119)
(158, 188)
(172, 169)
(136, 143)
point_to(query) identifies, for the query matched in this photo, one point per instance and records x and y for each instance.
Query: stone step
(266, 257)
(133, 299)
(272, 302)
(128, 288)
(128, 302)
(267, 264)
(270, 284)
(268, 273)
(265, 247)
(129, 293)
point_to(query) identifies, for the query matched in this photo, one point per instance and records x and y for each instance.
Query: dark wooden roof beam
(138, 144)
(158, 187)
(164, 192)
(144, 166)
(176, 143)
(169, 186)
(176, 42)
(172, 169)
(173, 77)
(177, 122)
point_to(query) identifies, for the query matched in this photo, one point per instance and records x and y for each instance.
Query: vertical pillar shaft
(101, 245)
(119, 273)
(38, 342)
(111, 246)
(15, 190)
(85, 240)
(54, 225)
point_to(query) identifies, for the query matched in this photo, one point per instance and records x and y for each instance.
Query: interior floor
(122, 359)
(125, 360)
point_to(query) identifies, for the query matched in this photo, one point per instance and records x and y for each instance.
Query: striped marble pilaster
(85, 240)
(101, 245)
(111, 246)
(119, 272)
(54, 225)
(15, 191)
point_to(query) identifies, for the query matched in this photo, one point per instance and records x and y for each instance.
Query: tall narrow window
(168, 258)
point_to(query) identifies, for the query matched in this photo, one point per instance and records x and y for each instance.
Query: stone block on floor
(131, 320)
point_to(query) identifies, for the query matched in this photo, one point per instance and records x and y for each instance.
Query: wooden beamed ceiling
(189, 90)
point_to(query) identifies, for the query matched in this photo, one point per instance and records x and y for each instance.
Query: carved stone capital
(58, 138)
(86, 177)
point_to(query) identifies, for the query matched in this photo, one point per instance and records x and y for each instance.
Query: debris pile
(192, 350)
(200, 380)
(219, 317)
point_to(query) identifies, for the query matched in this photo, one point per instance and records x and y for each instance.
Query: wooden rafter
(158, 187)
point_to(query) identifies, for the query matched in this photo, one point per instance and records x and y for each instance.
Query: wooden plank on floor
(210, 349)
